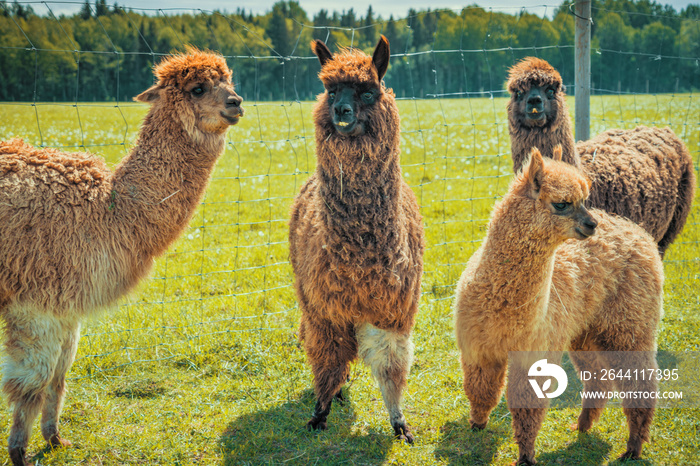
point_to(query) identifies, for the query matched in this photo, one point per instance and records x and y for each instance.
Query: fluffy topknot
(532, 71)
(195, 65)
(349, 65)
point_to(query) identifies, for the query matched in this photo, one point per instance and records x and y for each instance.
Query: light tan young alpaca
(543, 281)
(76, 236)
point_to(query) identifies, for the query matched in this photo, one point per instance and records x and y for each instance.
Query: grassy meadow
(201, 365)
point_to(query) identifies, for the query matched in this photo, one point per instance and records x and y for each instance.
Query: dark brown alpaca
(356, 237)
(645, 174)
(77, 236)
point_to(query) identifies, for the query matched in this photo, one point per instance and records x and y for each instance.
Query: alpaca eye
(368, 96)
(560, 206)
(331, 95)
(550, 93)
(197, 91)
(518, 95)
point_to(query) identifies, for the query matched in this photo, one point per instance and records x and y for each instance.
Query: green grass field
(201, 365)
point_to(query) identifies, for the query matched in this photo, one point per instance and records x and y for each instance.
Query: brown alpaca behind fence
(76, 236)
(552, 276)
(644, 174)
(356, 237)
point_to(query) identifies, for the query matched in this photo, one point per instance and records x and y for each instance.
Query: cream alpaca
(534, 286)
(76, 236)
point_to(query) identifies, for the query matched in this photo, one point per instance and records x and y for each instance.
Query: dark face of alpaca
(536, 105)
(349, 105)
(353, 86)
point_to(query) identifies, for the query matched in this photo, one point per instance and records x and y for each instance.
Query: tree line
(106, 53)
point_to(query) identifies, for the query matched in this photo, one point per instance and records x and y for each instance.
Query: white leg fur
(389, 355)
(34, 345)
(56, 390)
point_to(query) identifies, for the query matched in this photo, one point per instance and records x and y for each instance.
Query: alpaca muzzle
(534, 107)
(344, 119)
(343, 111)
(586, 224)
(233, 111)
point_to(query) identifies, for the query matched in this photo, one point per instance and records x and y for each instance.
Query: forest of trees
(105, 52)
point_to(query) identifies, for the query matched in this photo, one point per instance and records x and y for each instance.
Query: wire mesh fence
(70, 71)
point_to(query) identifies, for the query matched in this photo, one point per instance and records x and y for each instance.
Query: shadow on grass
(462, 446)
(279, 435)
(588, 449)
(46, 452)
(459, 444)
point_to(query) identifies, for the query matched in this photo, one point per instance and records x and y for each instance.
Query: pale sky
(385, 8)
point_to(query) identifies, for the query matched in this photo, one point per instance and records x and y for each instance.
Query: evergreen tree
(347, 19)
(86, 11)
(369, 30)
(392, 34)
(101, 8)
(277, 30)
(320, 20)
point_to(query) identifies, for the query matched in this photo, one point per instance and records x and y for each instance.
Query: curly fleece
(356, 235)
(77, 236)
(528, 288)
(644, 174)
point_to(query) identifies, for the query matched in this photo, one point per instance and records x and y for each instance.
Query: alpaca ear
(320, 49)
(534, 171)
(380, 58)
(150, 95)
(557, 153)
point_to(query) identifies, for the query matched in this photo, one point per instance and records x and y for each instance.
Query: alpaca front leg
(389, 355)
(56, 390)
(592, 407)
(33, 345)
(483, 384)
(639, 412)
(330, 350)
(528, 413)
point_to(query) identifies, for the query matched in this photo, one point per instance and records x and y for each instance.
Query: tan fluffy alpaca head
(197, 87)
(558, 191)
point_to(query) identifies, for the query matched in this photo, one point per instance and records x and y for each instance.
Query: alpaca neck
(158, 186)
(524, 138)
(522, 260)
(356, 183)
(361, 201)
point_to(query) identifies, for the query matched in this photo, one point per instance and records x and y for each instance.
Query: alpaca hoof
(17, 456)
(634, 449)
(576, 427)
(630, 455)
(403, 432)
(477, 426)
(524, 460)
(56, 441)
(316, 424)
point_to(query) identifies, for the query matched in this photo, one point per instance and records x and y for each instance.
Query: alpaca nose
(234, 100)
(535, 100)
(343, 110)
(590, 223)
